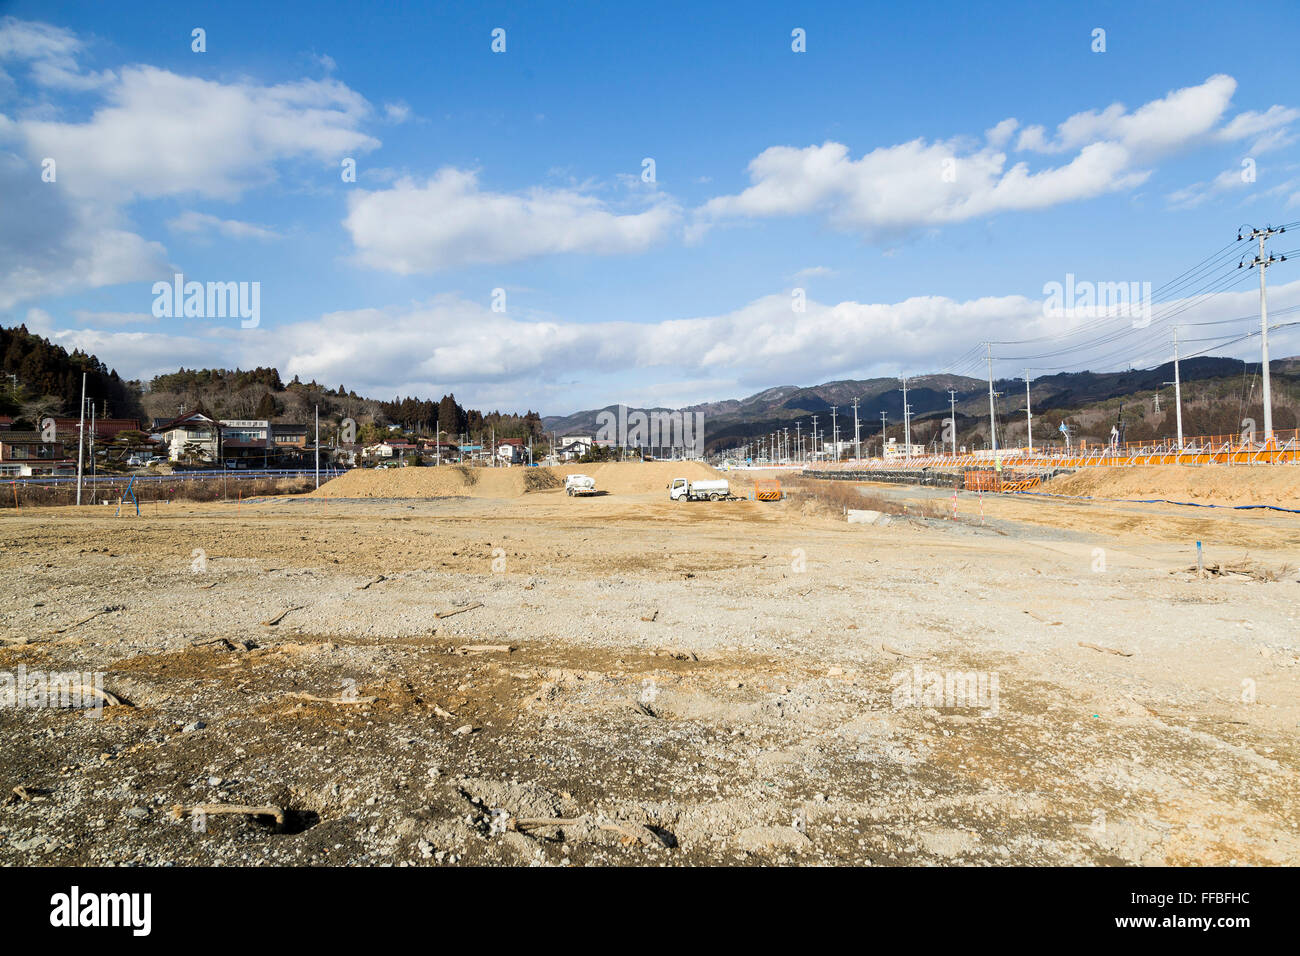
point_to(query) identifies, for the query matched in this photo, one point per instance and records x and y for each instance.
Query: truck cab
(679, 489)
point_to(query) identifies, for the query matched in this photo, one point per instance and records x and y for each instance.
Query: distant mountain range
(734, 421)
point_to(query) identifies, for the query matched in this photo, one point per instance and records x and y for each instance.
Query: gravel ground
(630, 681)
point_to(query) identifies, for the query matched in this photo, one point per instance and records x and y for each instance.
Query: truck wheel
(569, 492)
(713, 497)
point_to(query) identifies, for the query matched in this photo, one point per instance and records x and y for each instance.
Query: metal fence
(229, 475)
(1284, 448)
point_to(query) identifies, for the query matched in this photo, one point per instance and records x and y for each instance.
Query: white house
(575, 446)
(191, 434)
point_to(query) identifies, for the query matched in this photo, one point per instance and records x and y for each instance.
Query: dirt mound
(642, 477)
(1202, 484)
(541, 479)
(614, 478)
(435, 482)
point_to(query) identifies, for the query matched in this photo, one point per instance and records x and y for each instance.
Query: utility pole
(1262, 263)
(1029, 416)
(798, 440)
(835, 433)
(317, 443)
(952, 405)
(814, 437)
(81, 435)
(883, 417)
(94, 467)
(907, 422)
(857, 438)
(993, 433)
(1178, 392)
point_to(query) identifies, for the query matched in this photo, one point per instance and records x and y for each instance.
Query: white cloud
(1269, 128)
(813, 271)
(153, 133)
(517, 361)
(49, 53)
(1168, 123)
(162, 134)
(397, 112)
(50, 246)
(198, 222)
(1001, 134)
(1194, 195)
(448, 221)
(894, 189)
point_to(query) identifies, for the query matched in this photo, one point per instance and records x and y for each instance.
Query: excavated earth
(534, 679)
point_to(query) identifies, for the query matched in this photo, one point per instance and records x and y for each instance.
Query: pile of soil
(1202, 484)
(433, 482)
(642, 477)
(614, 478)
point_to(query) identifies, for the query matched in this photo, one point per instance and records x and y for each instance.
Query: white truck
(684, 490)
(579, 485)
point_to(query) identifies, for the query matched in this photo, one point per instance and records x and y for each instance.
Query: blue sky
(775, 171)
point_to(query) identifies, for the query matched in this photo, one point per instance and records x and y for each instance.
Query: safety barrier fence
(1205, 450)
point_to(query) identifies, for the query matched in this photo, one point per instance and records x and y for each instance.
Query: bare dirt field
(1208, 484)
(527, 678)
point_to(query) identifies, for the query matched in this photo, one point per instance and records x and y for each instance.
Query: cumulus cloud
(894, 189)
(152, 133)
(162, 134)
(539, 361)
(449, 221)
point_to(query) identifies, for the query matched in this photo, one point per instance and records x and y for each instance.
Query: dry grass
(836, 497)
(197, 489)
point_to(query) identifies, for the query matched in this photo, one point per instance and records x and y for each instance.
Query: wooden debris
(372, 581)
(631, 832)
(636, 832)
(1246, 568)
(30, 794)
(532, 823)
(485, 649)
(445, 714)
(1105, 650)
(180, 813)
(333, 700)
(895, 651)
(652, 617)
(207, 587)
(104, 610)
(1039, 617)
(458, 610)
(281, 616)
(110, 700)
(225, 642)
